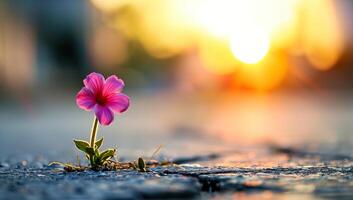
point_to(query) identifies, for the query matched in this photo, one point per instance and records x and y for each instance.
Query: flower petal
(104, 114)
(118, 102)
(94, 81)
(113, 85)
(85, 99)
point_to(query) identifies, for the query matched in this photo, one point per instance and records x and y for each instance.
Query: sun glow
(254, 40)
(247, 25)
(250, 46)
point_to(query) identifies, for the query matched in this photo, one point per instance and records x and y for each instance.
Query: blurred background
(203, 75)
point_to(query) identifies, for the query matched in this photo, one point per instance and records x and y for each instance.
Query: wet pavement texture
(282, 174)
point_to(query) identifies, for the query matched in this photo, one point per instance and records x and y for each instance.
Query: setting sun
(249, 46)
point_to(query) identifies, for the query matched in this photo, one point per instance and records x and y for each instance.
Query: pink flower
(104, 97)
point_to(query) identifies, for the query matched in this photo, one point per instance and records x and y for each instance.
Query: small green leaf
(89, 151)
(96, 152)
(105, 155)
(99, 143)
(81, 145)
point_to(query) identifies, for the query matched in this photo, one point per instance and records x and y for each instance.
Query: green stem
(94, 132)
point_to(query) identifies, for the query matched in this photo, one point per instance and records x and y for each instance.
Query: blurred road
(185, 124)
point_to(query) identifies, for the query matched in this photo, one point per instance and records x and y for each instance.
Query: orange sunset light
(251, 40)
